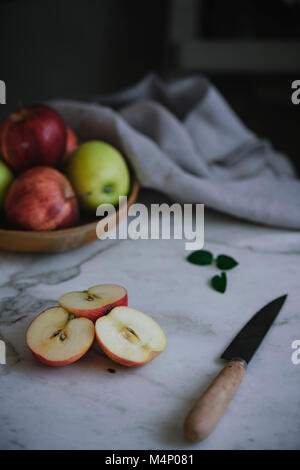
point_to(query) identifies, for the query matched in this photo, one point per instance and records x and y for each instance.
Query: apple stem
(78, 195)
(108, 188)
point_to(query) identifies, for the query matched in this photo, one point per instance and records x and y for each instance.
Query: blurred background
(250, 49)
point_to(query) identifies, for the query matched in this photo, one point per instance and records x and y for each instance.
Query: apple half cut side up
(95, 302)
(130, 337)
(57, 338)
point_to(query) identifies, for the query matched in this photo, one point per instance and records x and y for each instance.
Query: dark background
(76, 48)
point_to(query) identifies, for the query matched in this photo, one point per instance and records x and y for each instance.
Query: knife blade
(251, 335)
(210, 407)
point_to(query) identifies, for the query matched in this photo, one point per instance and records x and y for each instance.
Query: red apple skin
(71, 144)
(59, 363)
(99, 312)
(121, 360)
(33, 136)
(41, 199)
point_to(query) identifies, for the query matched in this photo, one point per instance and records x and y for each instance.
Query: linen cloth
(183, 139)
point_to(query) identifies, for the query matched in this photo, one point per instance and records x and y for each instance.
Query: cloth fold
(184, 140)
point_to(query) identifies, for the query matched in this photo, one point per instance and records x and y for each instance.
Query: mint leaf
(200, 257)
(225, 262)
(219, 283)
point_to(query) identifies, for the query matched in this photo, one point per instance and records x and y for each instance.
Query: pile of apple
(45, 177)
(63, 334)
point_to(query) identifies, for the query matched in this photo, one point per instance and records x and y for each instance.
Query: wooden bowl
(60, 240)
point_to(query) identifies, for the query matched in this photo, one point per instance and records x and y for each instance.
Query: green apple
(99, 173)
(6, 178)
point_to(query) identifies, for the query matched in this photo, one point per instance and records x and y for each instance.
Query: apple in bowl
(6, 179)
(57, 338)
(41, 199)
(94, 302)
(99, 171)
(130, 337)
(71, 144)
(33, 136)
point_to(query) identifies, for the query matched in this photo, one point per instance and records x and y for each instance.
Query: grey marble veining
(83, 406)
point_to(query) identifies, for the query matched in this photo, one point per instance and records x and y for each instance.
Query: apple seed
(130, 334)
(56, 333)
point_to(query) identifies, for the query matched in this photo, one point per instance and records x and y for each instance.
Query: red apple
(95, 302)
(56, 338)
(71, 144)
(41, 199)
(130, 337)
(33, 136)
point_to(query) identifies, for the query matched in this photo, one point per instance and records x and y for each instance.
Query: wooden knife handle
(210, 407)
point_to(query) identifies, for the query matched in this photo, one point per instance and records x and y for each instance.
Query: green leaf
(200, 257)
(71, 317)
(225, 262)
(219, 283)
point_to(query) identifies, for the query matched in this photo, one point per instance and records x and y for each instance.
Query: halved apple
(94, 302)
(57, 338)
(130, 337)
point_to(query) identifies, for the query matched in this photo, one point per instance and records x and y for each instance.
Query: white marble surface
(83, 406)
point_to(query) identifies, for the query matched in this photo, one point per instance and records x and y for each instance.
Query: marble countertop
(83, 406)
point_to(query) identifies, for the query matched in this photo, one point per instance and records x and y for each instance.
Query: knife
(210, 407)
